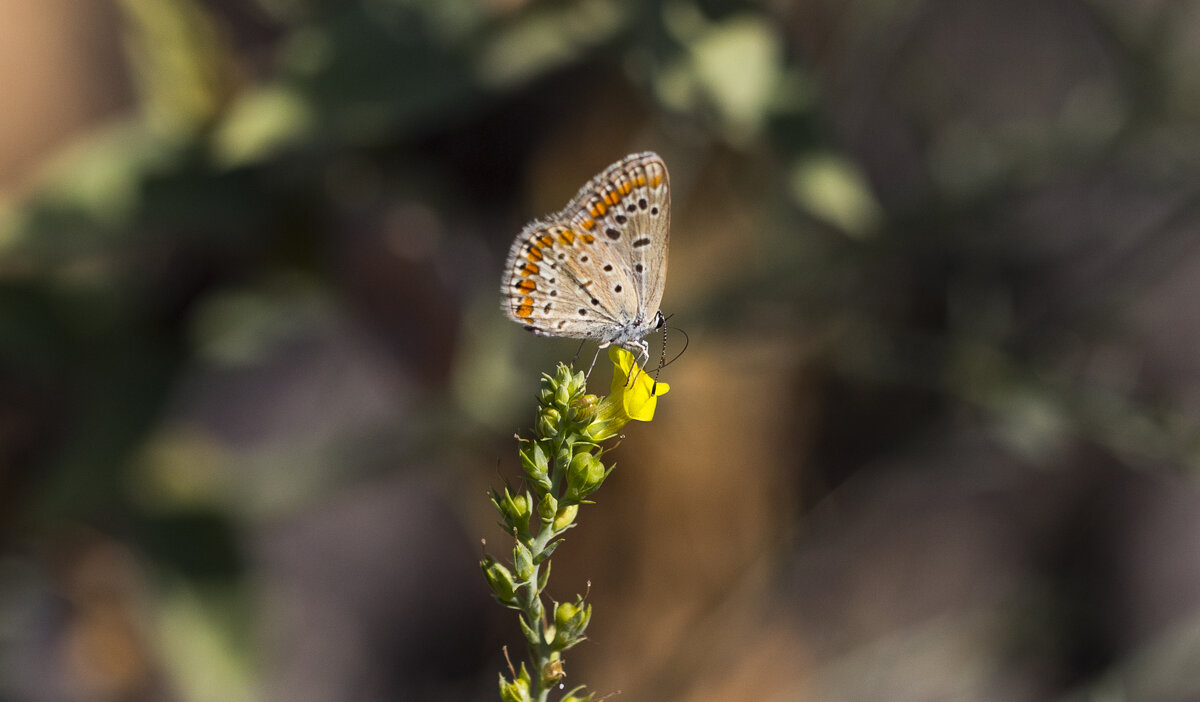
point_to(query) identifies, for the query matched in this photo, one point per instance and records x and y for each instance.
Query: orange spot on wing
(530, 269)
(611, 197)
(535, 254)
(546, 240)
(567, 237)
(589, 239)
(525, 308)
(655, 181)
(626, 187)
(588, 224)
(598, 209)
(527, 285)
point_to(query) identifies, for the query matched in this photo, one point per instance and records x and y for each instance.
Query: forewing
(628, 209)
(548, 281)
(600, 264)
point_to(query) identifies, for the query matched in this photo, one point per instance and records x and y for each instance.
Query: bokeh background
(935, 436)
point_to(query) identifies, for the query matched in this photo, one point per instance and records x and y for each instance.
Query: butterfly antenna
(662, 361)
(662, 357)
(686, 341)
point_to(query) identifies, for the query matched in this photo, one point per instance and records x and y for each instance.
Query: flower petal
(639, 398)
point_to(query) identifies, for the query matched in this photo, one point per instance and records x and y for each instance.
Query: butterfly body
(596, 270)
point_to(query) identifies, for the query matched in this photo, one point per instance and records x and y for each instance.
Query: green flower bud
(499, 580)
(520, 505)
(584, 475)
(564, 517)
(571, 619)
(536, 465)
(563, 611)
(547, 508)
(546, 391)
(514, 509)
(583, 411)
(522, 562)
(516, 690)
(562, 396)
(572, 381)
(548, 422)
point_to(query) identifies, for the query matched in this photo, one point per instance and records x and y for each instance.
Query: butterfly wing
(549, 278)
(596, 270)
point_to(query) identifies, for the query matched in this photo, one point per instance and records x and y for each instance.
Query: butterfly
(596, 270)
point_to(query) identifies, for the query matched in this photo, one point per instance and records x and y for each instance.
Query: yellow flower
(626, 400)
(639, 398)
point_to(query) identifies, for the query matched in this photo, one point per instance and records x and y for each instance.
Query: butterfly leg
(642, 351)
(593, 364)
(576, 356)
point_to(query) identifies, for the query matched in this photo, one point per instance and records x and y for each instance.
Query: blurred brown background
(934, 437)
